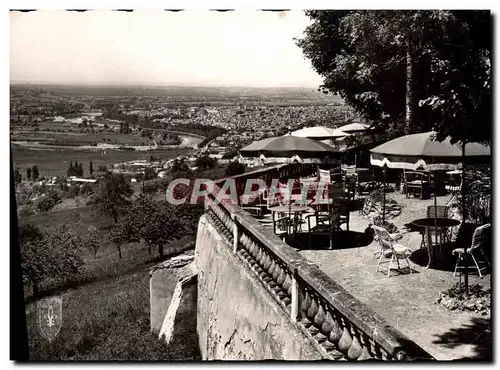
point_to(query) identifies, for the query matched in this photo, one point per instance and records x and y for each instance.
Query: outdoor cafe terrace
(348, 254)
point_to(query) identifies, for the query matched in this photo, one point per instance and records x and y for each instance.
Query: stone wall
(237, 319)
(163, 280)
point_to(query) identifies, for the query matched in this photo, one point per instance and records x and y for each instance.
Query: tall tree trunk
(464, 220)
(160, 249)
(119, 250)
(410, 96)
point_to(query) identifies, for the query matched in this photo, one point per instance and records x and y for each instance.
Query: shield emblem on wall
(50, 316)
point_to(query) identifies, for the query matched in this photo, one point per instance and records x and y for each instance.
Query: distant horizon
(159, 86)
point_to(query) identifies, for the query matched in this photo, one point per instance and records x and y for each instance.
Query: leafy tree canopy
(433, 64)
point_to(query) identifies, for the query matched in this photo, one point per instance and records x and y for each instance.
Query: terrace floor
(406, 301)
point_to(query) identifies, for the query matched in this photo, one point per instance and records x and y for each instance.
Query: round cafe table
(295, 210)
(428, 224)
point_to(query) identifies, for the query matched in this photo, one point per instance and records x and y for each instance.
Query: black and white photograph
(191, 185)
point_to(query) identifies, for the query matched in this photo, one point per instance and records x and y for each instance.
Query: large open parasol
(288, 146)
(422, 151)
(316, 132)
(353, 128)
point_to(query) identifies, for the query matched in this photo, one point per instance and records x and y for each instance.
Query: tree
(92, 240)
(180, 165)
(392, 66)
(79, 169)
(46, 204)
(462, 105)
(119, 236)
(28, 173)
(18, 178)
(53, 254)
(160, 227)
(70, 171)
(102, 168)
(91, 169)
(87, 189)
(155, 223)
(205, 162)
(235, 168)
(74, 190)
(150, 189)
(112, 197)
(49, 201)
(29, 233)
(34, 172)
(149, 173)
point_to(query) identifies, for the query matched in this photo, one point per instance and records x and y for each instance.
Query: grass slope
(108, 320)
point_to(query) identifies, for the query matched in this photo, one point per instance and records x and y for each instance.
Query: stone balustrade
(343, 327)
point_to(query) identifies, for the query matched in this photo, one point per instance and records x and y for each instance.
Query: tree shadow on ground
(477, 333)
(340, 240)
(446, 262)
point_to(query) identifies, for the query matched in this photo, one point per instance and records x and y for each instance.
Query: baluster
(311, 312)
(318, 321)
(254, 250)
(258, 254)
(287, 284)
(355, 349)
(243, 242)
(331, 329)
(267, 263)
(304, 307)
(365, 354)
(261, 261)
(274, 272)
(280, 280)
(250, 246)
(268, 278)
(346, 339)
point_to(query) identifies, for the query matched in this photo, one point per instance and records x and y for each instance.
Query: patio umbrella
(287, 146)
(355, 127)
(316, 132)
(422, 151)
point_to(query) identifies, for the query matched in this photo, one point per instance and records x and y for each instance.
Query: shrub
(478, 299)
(235, 168)
(73, 191)
(46, 204)
(478, 196)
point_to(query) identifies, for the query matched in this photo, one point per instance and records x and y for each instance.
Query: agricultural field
(180, 94)
(55, 162)
(78, 138)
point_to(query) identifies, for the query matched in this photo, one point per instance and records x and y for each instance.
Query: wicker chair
(389, 249)
(476, 246)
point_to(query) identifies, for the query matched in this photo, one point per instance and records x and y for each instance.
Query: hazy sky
(242, 48)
